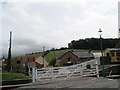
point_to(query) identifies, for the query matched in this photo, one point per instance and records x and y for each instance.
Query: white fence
(57, 72)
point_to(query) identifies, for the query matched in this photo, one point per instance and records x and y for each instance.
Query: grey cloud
(28, 45)
(52, 24)
(24, 46)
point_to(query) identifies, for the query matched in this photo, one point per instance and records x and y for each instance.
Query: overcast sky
(55, 23)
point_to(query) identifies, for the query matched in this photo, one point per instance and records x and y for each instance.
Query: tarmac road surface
(76, 82)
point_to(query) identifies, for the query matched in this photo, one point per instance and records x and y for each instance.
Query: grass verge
(8, 76)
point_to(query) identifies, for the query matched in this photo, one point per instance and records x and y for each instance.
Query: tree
(52, 62)
(92, 43)
(9, 55)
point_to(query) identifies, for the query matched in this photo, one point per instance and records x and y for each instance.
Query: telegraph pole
(43, 55)
(9, 54)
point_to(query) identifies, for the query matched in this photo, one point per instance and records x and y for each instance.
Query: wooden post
(36, 74)
(81, 70)
(33, 74)
(52, 72)
(29, 72)
(97, 69)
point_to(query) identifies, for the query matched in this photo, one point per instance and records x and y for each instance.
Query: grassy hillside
(54, 54)
(36, 54)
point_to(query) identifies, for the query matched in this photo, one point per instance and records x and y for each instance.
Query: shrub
(52, 62)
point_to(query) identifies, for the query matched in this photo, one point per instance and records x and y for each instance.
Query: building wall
(70, 59)
(18, 64)
(66, 59)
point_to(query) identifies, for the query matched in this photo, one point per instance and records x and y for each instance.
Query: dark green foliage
(62, 48)
(52, 62)
(9, 62)
(106, 60)
(9, 55)
(45, 53)
(118, 44)
(93, 43)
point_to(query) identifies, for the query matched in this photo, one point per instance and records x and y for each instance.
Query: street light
(103, 72)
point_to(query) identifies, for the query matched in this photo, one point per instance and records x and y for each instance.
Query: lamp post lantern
(103, 72)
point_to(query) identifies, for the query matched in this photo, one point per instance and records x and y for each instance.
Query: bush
(52, 62)
(45, 53)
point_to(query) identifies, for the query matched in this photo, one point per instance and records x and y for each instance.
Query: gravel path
(77, 82)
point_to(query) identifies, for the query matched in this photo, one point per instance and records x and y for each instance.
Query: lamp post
(103, 72)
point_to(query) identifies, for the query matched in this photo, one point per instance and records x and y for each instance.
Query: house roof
(83, 54)
(40, 60)
(63, 54)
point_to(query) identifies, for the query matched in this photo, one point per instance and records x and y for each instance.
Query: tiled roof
(83, 54)
(62, 54)
(78, 54)
(40, 60)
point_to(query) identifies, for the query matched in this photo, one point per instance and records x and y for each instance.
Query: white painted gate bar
(57, 72)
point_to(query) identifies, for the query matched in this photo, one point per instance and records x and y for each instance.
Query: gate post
(97, 69)
(33, 74)
(36, 74)
(29, 71)
(81, 69)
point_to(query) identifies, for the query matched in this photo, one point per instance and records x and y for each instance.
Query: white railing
(57, 72)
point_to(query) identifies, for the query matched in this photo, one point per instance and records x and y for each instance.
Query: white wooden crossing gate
(57, 72)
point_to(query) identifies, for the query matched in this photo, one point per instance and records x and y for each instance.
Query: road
(76, 82)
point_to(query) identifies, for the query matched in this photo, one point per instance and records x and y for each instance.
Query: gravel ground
(76, 82)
